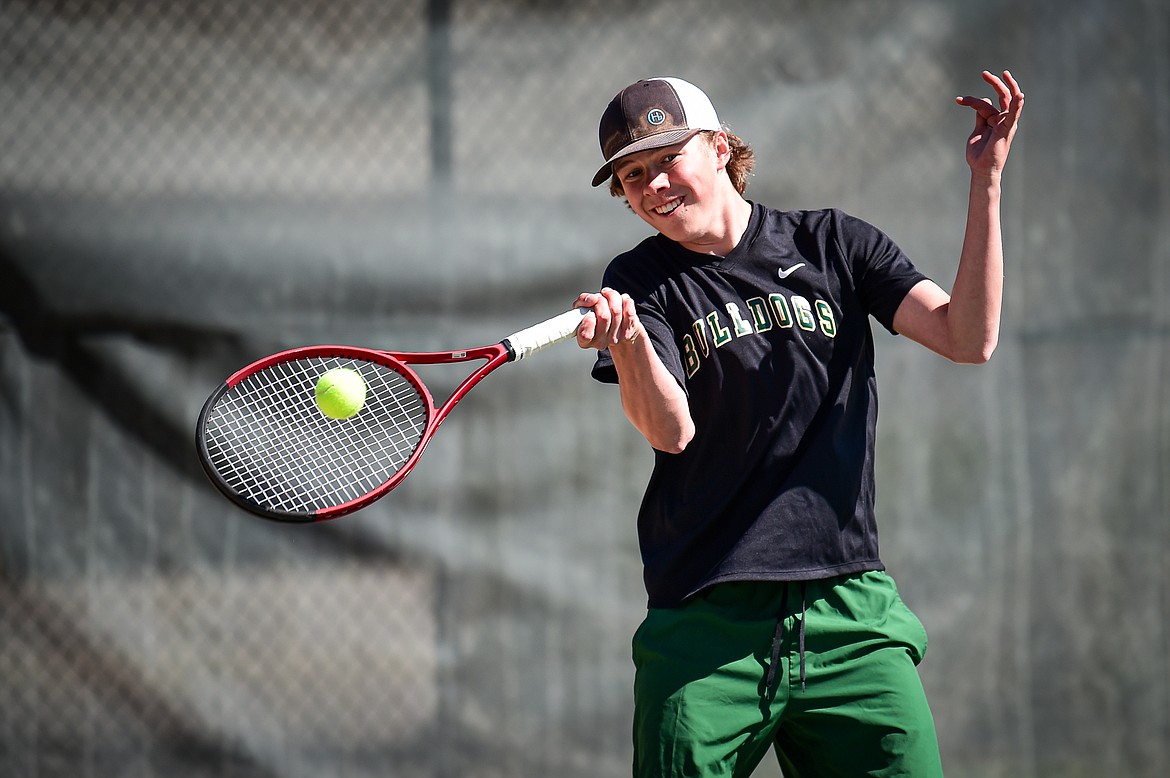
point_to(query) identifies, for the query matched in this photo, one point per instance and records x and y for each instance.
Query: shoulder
(823, 222)
(641, 267)
(653, 246)
(814, 232)
(819, 220)
(853, 236)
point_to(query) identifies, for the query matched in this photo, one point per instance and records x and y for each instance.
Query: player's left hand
(995, 125)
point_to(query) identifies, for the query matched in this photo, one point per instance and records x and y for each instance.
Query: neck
(726, 230)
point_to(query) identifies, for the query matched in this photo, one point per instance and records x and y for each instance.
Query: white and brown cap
(649, 114)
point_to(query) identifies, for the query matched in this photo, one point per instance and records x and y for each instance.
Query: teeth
(668, 208)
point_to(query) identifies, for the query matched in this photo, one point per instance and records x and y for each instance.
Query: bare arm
(652, 399)
(964, 326)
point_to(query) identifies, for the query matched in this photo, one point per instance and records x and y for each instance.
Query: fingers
(1001, 89)
(996, 122)
(1016, 105)
(1007, 89)
(630, 317)
(984, 109)
(1011, 97)
(613, 319)
(1004, 116)
(1013, 85)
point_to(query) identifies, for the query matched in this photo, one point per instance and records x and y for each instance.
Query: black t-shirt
(774, 348)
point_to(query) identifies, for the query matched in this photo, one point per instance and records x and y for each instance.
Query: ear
(722, 149)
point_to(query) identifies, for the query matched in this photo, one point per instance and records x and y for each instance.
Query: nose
(658, 181)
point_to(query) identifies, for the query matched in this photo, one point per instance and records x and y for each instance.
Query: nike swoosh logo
(785, 273)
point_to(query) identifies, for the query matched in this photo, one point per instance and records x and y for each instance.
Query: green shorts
(823, 672)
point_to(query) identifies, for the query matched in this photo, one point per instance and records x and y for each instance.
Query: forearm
(973, 315)
(652, 399)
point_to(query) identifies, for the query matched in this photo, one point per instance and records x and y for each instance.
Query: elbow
(675, 446)
(976, 354)
(666, 426)
(982, 358)
(674, 442)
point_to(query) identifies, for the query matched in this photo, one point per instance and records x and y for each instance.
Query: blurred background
(187, 186)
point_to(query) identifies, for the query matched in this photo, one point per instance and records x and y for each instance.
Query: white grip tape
(558, 328)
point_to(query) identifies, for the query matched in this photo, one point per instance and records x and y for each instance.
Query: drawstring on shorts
(778, 638)
(803, 612)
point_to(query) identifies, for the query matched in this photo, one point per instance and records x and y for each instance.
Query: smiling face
(683, 191)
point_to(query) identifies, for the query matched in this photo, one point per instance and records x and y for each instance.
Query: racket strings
(272, 446)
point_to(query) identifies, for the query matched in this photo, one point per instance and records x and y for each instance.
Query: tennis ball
(341, 393)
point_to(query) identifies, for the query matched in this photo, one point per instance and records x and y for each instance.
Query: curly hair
(739, 167)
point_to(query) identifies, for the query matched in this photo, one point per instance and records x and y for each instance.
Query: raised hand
(995, 124)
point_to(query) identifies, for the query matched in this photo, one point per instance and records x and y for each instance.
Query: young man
(739, 336)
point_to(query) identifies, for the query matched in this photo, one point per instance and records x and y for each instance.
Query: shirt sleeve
(650, 313)
(883, 275)
(661, 337)
(603, 369)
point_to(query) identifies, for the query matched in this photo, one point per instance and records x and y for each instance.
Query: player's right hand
(613, 319)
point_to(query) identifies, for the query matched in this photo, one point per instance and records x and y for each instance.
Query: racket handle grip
(559, 328)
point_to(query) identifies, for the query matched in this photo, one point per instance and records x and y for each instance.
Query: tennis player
(740, 338)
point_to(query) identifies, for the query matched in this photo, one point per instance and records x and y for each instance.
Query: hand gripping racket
(267, 446)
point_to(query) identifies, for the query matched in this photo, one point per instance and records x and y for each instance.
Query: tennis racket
(267, 446)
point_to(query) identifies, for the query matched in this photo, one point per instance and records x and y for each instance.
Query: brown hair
(739, 167)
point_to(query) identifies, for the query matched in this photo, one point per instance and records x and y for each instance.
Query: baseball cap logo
(656, 116)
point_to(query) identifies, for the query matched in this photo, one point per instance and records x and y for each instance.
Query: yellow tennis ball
(341, 393)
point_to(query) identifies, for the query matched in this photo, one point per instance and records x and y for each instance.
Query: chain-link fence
(357, 99)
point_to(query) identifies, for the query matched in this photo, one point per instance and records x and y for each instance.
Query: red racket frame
(494, 355)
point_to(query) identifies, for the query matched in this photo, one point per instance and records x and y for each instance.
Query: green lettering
(701, 337)
(741, 327)
(691, 360)
(719, 334)
(780, 306)
(761, 317)
(825, 315)
(804, 314)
